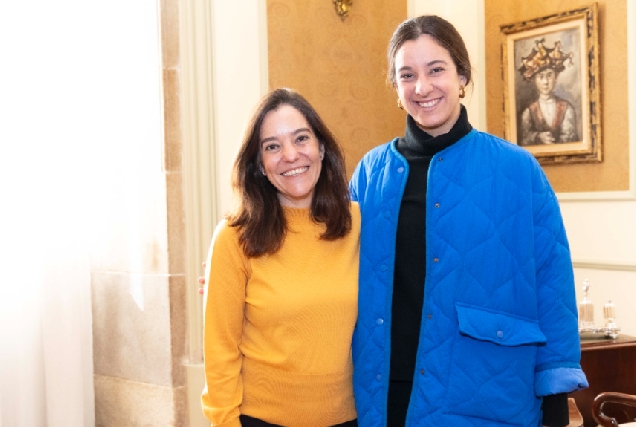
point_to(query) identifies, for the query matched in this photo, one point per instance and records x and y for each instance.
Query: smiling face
(291, 155)
(428, 85)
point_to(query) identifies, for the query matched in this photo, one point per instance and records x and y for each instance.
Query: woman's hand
(546, 138)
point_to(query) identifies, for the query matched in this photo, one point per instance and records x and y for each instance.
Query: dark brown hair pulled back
(439, 29)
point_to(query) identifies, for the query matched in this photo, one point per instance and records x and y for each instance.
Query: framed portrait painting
(550, 67)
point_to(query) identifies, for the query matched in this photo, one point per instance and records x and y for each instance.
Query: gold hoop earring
(400, 106)
(462, 92)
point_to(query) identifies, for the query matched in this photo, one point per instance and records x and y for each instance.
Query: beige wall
(339, 66)
(137, 262)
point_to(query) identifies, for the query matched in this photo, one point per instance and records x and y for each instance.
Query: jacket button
(500, 334)
(378, 377)
(400, 169)
(430, 316)
(380, 321)
(435, 259)
(422, 372)
(440, 159)
(437, 205)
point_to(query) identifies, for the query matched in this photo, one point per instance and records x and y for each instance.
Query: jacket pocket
(492, 366)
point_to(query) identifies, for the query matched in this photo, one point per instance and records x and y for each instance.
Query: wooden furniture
(602, 399)
(610, 365)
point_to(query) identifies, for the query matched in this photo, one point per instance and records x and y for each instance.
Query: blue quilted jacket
(499, 324)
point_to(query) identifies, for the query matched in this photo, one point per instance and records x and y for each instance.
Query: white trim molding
(598, 264)
(197, 114)
(220, 84)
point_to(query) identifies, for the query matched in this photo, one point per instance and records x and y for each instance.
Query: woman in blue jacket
(467, 313)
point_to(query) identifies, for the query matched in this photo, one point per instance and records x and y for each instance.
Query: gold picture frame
(550, 68)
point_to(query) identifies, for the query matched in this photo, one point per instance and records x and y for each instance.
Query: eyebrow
(296, 132)
(428, 64)
(437, 61)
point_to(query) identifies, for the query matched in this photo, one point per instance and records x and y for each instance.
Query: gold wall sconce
(342, 8)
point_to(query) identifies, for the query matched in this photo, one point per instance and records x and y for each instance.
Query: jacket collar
(418, 143)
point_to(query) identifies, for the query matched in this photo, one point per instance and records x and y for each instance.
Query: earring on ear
(262, 170)
(322, 155)
(462, 92)
(399, 103)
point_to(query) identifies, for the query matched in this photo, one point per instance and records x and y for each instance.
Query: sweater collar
(417, 143)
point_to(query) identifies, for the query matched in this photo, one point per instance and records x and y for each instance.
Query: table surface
(591, 342)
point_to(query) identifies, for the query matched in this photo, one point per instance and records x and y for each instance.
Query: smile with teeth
(295, 172)
(428, 104)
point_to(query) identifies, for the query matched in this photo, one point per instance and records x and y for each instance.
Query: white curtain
(45, 337)
(46, 176)
(70, 107)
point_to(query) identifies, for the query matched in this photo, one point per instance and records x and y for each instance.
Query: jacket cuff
(559, 380)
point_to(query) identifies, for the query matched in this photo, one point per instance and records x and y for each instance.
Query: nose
(423, 86)
(290, 153)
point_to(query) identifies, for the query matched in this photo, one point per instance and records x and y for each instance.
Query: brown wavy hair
(259, 214)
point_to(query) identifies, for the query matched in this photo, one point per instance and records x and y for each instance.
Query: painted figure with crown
(549, 119)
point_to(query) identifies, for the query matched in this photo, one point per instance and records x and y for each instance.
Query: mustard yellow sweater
(277, 339)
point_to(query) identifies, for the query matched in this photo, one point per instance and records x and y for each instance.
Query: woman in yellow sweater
(283, 278)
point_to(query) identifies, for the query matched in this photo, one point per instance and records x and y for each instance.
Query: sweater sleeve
(227, 274)
(558, 369)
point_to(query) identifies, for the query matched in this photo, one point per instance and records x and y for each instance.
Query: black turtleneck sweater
(418, 148)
